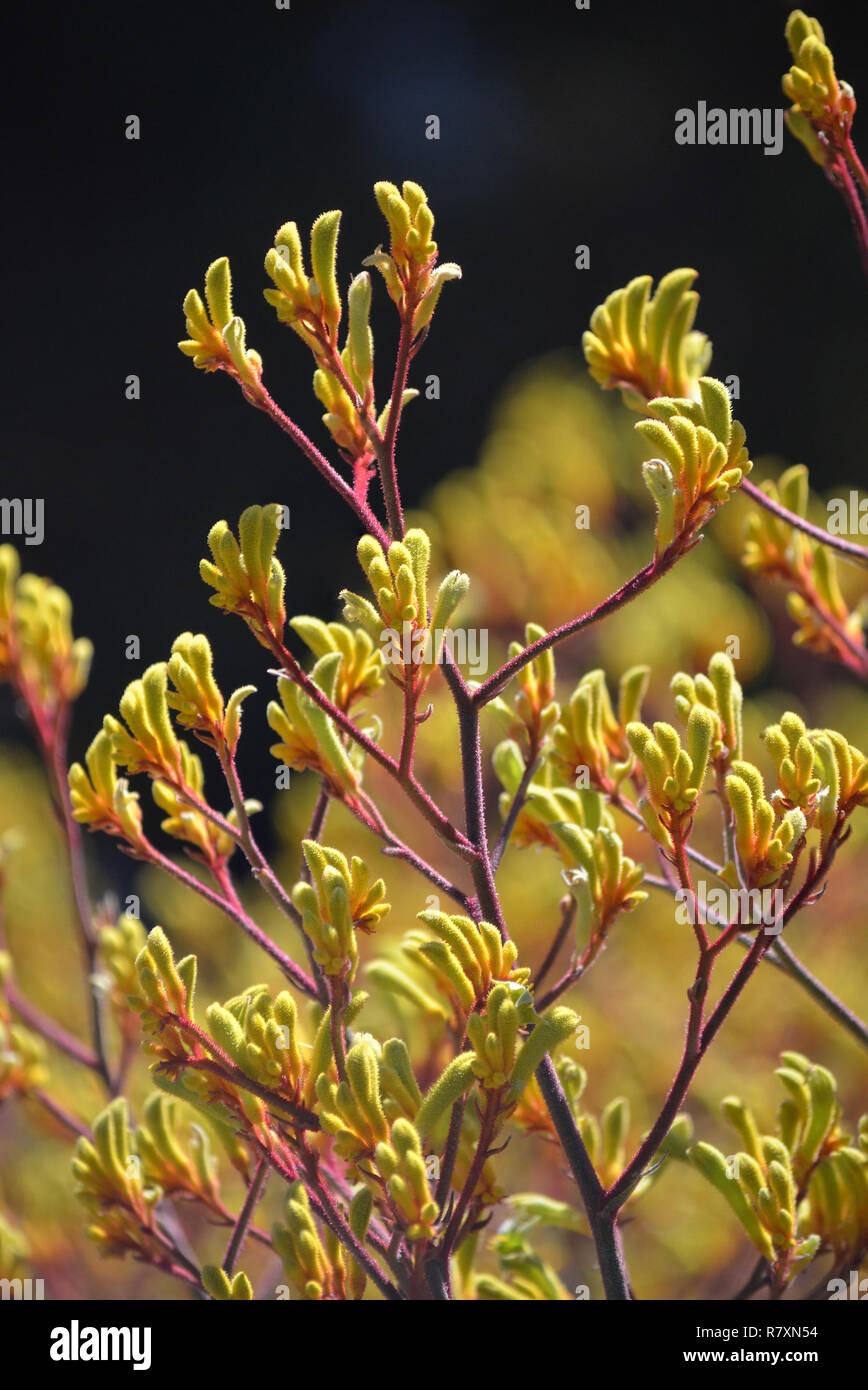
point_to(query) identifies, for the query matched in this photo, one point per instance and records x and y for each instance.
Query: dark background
(557, 128)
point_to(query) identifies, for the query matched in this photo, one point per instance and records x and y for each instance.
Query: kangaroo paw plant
(333, 1108)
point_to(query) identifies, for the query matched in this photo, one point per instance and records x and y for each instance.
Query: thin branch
(474, 799)
(840, 176)
(682, 868)
(855, 164)
(410, 727)
(849, 549)
(322, 465)
(236, 913)
(396, 849)
(604, 1229)
(450, 1153)
(55, 758)
(783, 958)
(48, 1029)
(262, 870)
(514, 812)
(180, 1266)
(640, 581)
(54, 1108)
(471, 1182)
(366, 810)
(417, 794)
(321, 1201)
(568, 915)
(245, 1216)
(388, 473)
(226, 1070)
(317, 822)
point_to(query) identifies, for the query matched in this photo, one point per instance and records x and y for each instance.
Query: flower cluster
(808, 570)
(802, 1191)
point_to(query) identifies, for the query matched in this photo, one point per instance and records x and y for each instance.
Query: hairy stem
(857, 553)
(322, 465)
(474, 801)
(48, 1029)
(514, 812)
(783, 958)
(69, 1121)
(604, 1226)
(839, 175)
(388, 473)
(260, 866)
(420, 798)
(321, 1198)
(232, 908)
(245, 1216)
(568, 915)
(640, 581)
(483, 1147)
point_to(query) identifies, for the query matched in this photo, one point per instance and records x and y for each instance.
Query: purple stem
(604, 1226)
(641, 580)
(245, 1216)
(848, 548)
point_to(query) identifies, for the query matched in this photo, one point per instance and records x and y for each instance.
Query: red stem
(245, 1216)
(408, 735)
(641, 580)
(54, 757)
(483, 1145)
(420, 798)
(699, 1036)
(840, 176)
(321, 1201)
(51, 1031)
(514, 811)
(322, 465)
(567, 919)
(858, 553)
(474, 799)
(262, 871)
(683, 870)
(236, 913)
(856, 164)
(388, 473)
(60, 1114)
